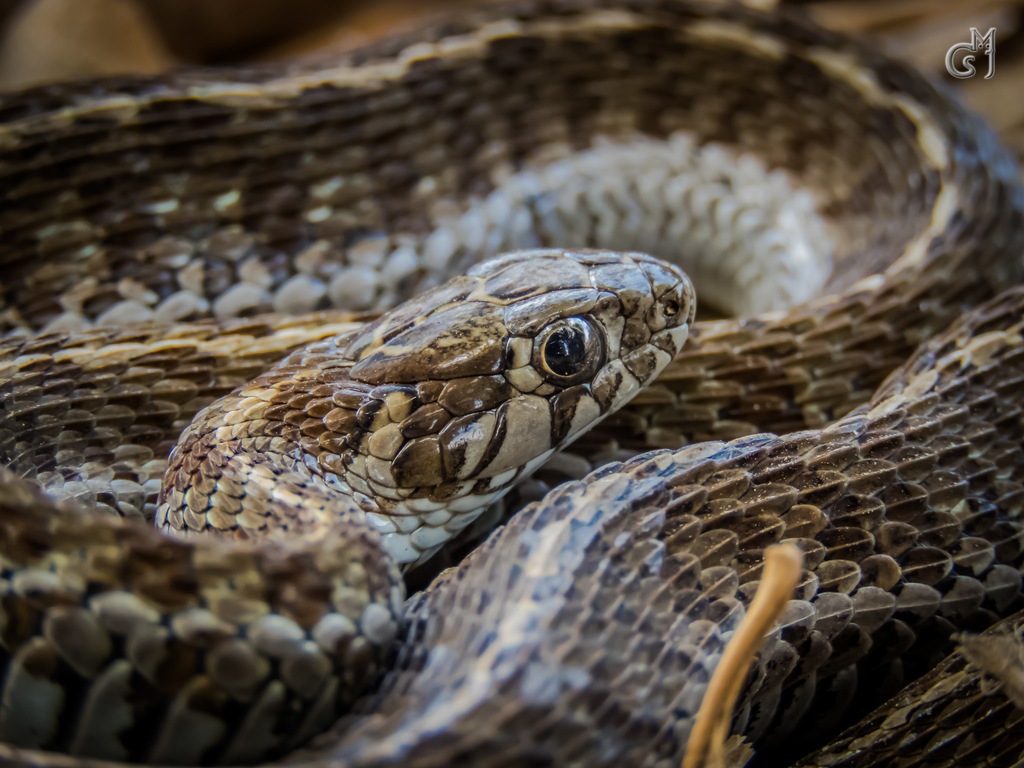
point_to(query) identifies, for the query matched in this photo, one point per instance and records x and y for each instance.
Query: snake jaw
(437, 409)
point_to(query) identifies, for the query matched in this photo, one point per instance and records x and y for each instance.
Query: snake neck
(301, 446)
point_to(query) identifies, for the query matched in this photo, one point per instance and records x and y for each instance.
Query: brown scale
(801, 376)
(124, 448)
(174, 607)
(867, 608)
(733, 382)
(958, 713)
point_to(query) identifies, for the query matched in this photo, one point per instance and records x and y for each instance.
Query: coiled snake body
(858, 219)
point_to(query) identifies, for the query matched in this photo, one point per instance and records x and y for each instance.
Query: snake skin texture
(664, 551)
(183, 251)
(958, 714)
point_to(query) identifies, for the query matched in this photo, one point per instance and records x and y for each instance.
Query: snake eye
(568, 351)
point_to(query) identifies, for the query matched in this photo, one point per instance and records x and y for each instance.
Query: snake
(274, 335)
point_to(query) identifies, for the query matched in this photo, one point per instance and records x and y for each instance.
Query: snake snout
(675, 304)
(675, 299)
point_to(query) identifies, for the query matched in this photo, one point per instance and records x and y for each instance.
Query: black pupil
(565, 351)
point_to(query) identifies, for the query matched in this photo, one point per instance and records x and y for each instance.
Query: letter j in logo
(988, 41)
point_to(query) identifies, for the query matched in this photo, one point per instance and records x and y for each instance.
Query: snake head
(436, 409)
(499, 368)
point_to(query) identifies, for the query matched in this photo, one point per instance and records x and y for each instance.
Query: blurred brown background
(44, 41)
